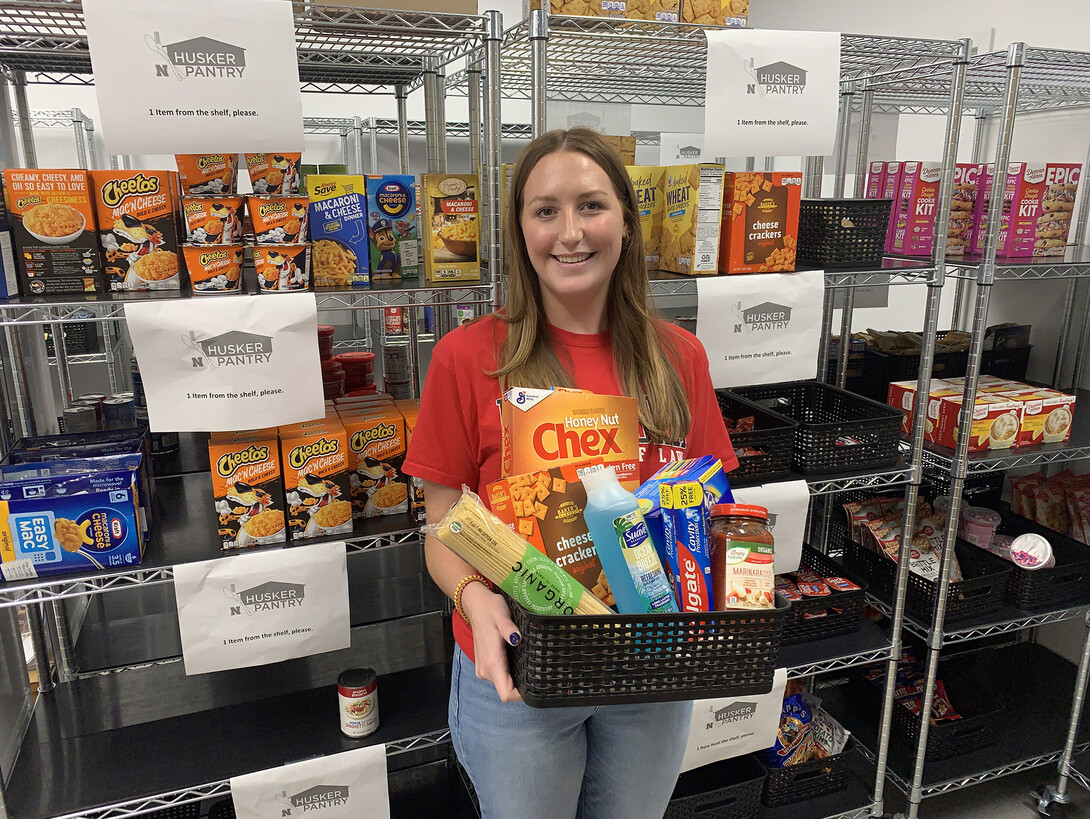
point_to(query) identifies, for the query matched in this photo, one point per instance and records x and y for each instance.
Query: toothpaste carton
(914, 208)
(688, 550)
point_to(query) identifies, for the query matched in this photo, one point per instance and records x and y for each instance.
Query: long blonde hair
(646, 369)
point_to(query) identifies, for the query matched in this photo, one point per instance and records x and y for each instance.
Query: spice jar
(743, 570)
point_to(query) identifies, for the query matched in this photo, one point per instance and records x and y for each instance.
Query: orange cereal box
(376, 453)
(137, 229)
(273, 173)
(316, 480)
(542, 429)
(760, 227)
(207, 173)
(247, 489)
(53, 227)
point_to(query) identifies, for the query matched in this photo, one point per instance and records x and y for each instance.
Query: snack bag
(794, 740)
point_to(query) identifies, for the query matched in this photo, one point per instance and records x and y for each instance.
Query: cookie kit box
(1041, 205)
(340, 250)
(392, 227)
(959, 231)
(691, 216)
(876, 180)
(914, 209)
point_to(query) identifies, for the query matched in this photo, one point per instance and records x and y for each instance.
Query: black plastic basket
(623, 658)
(190, 810)
(981, 592)
(843, 232)
(843, 610)
(838, 431)
(1065, 584)
(1012, 363)
(807, 780)
(907, 367)
(224, 809)
(729, 789)
(774, 433)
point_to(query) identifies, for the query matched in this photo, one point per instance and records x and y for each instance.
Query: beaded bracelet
(461, 587)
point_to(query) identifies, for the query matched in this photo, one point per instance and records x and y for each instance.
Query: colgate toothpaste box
(1041, 204)
(959, 231)
(542, 429)
(688, 550)
(914, 210)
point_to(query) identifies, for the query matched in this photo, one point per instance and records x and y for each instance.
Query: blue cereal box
(688, 550)
(392, 227)
(60, 524)
(340, 249)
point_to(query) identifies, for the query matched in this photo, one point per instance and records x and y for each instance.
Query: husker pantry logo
(735, 712)
(764, 316)
(313, 799)
(234, 348)
(198, 57)
(272, 595)
(775, 78)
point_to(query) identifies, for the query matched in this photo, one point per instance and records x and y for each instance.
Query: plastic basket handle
(967, 731)
(975, 592)
(803, 776)
(716, 805)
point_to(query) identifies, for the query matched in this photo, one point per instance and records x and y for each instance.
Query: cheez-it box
(542, 429)
(760, 227)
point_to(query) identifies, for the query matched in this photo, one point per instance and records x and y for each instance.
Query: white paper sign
(262, 607)
(771, 93)
(787, 503)
(605, 118)
(723, 728)
(760, 329)
(228, 362)
(347, 785)
(681, 149)
(200, 76)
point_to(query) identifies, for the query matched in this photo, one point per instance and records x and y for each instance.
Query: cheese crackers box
(545, 508)
(137, 229)
(316, 483)
(247, 489)
(914, 208)
(453, 246)
(760, 228)
(542, 429)
(691, 218)
(376, 452)
(392, 227)
(340, 249)
(959, 232)
(53, 227)
(731, 13)
(646, 181)
(1040, 209)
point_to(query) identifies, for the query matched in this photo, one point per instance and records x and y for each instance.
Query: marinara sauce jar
(731, 525)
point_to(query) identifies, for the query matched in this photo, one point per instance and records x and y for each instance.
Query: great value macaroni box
(542, 429)
(691, 217)
(647, 183)
(340, 250)
(914, 209)
(452, 247)
(392, 227)
(1041, 207)
(760, 227)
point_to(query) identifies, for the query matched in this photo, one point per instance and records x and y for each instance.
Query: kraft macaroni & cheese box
(340, 250)
(392, 227)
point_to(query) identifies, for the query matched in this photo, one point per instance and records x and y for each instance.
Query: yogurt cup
(282, 268)
(978, 525)
(214, 270)
(212, 220)
(278, 220)
(1001, 546)
(1032, 551)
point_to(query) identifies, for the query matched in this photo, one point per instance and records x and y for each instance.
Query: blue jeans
(597, 762)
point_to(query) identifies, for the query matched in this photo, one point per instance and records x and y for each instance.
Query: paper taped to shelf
(232, 362)
(771, 93)
(760, 329)
(339, 786)
(787, 503)
(263, 607)
(726, 727)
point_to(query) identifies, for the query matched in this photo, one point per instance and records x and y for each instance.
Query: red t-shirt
(456, 440)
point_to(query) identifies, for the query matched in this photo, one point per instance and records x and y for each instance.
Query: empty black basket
(1010, 363)
(730, 789)
(838, 431)
(843, 232)
(773, 433)
(843, 610)
(610, 659)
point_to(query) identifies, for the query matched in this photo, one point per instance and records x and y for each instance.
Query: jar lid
(362, 391)
(742, 509)
(331, 365)
(326, 330)
(356, 677)
(981, 515)
(355, 358)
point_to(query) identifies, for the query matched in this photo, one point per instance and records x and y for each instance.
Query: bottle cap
(597, 476)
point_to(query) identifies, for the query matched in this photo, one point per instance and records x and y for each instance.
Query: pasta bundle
(529, 577)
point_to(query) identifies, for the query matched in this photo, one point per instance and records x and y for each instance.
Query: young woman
(578, 315)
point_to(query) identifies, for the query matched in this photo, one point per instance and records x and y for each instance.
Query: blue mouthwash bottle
(624, 545)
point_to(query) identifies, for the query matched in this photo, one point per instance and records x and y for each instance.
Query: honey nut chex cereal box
(247, 489)
(316, 485)
(542, 429)
(647, 183)
(545, 508)
(691, 215)
(760, 226)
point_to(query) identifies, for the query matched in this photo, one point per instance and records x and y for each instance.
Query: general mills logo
(317, 798)
(198, 57)
(272, 595)
(764, 316)
(775, 78)
(231, 349)
(735, 712)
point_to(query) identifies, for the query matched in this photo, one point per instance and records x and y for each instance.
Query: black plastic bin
(808, 780)
(838, 431)
(773, 433)
(623, 658)
(843, 610)
(729, 789)
(1065, 584)
(838, 233)
(1012, 363)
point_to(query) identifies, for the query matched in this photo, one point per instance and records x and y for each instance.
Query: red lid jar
(359, 369)
(325, 341)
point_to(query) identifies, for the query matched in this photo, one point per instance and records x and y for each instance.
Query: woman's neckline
(572, 339)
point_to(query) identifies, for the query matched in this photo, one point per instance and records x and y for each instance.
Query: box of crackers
(760, 227)
(53, 227)
(914, 210)
(959, 231)
(1041, 206)
(545, 508)
(625, 146)
(691, 215)
(731, 13)
(647, 181)
(137, 220)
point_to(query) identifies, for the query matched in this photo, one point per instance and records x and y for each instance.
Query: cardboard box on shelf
(914, 210)
(760, 226)
(902, 395)
(376, 452)
(392, 227)
(1046, 415)
(316, 484)
(996, 422)
(625, 145)
(452, 245)
(959, 231)
(247, 488)
(691, 217)
(340, 250)
(733, 13)
(647, 183)
(1041, 207)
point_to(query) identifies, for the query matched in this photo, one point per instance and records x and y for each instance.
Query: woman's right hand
(492, 628)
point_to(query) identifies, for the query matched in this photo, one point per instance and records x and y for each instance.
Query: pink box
(983, 203)
(876, 180)
(1042, 201)
(914, 220)
(959, 233)
(891, 183)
